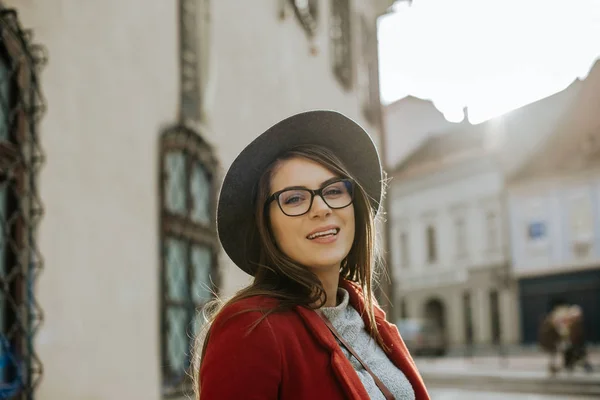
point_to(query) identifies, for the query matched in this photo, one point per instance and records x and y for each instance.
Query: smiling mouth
(327, 233)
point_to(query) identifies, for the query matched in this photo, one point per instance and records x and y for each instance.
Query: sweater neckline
(333, 312)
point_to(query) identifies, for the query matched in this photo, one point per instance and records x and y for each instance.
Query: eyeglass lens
(298, 201)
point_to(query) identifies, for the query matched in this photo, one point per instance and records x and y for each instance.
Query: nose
(319, 208)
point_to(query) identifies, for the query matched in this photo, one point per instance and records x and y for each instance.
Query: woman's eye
(333, 192)
(293, 199)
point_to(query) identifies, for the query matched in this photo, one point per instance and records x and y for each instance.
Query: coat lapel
(344, 371)
(347, 376)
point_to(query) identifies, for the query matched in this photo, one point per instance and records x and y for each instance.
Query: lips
(323, 232)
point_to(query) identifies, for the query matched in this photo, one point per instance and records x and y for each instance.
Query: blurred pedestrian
(549, 340)
(297, 212)
(575, 352)
(562, 332)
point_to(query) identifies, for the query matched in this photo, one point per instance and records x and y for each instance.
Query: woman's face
(295, 236)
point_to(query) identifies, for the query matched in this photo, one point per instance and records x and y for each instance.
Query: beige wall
(262, 71)
(110, 85)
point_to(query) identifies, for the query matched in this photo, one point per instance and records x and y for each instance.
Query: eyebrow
(323, 184)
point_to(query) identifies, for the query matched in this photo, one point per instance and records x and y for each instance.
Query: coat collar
(397, 351)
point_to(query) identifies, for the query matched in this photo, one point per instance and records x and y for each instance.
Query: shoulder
(256, 312)
(249, 304)
(241, 343)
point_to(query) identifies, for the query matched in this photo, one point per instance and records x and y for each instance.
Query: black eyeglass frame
(313, 193)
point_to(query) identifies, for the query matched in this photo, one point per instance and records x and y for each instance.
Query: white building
(410, 121)
(554, 204)
(451, 250)
(449, 256)
(148, 102)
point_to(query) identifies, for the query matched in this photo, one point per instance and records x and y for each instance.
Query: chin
(326, 262)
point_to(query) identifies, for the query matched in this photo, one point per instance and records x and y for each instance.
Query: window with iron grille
(341, 42)
(188, 248)
(21, 106)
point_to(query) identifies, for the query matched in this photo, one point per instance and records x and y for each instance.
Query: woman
(296, 211)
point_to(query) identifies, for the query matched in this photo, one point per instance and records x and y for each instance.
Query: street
(459, 394)
(521, 376)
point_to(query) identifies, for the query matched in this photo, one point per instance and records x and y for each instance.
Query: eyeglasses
(298, 201)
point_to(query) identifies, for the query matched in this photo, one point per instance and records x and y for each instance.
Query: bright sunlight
(490, 55)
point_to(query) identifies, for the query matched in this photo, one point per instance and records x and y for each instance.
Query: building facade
(410, 121)
(471, 214)
(450, 255)
(555, 218)
(555, 225)
(142, 105)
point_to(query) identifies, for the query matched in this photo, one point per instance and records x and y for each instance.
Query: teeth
(324, 233)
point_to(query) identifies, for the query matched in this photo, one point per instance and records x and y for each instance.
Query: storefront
(538, 294)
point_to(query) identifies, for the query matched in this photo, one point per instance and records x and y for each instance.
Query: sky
(491, 56)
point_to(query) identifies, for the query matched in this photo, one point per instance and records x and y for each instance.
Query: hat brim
(329, 129)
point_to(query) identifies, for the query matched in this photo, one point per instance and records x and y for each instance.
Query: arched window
(188, 245)
(21, 106)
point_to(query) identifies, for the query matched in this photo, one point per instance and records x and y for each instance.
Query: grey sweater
(351, 327)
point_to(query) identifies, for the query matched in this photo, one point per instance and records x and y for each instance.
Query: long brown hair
(291, 283)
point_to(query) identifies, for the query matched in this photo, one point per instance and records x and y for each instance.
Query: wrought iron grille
(21, 107)
(189, 248)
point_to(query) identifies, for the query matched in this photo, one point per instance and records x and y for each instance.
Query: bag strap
(386, 393)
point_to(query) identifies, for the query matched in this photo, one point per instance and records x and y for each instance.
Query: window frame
(580, 225)
(460, 228)
(172, 226)
(432, 245)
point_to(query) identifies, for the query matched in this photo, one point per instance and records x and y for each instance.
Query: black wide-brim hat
(329, 129)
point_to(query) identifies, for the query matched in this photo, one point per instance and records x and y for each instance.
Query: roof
(409, 121)
(519, 140)
(465, 141)
(405, 99)
(575, 142)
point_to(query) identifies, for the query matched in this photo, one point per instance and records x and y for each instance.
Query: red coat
(290, 355)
